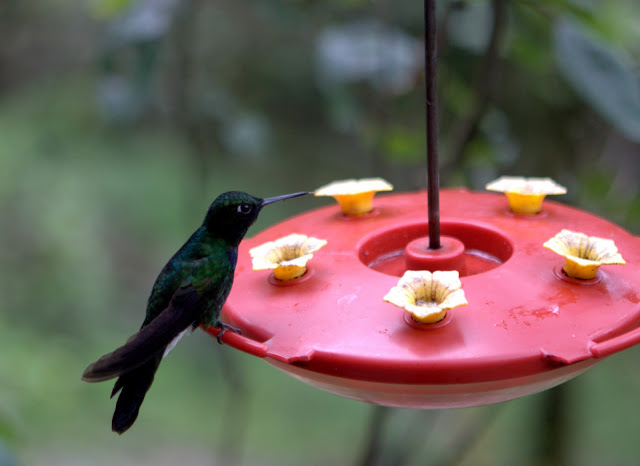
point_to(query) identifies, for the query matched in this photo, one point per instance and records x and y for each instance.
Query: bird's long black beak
(271, 200)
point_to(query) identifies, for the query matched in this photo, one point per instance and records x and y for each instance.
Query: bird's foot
(223, 328)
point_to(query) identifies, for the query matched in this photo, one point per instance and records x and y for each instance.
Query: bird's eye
(245, 208)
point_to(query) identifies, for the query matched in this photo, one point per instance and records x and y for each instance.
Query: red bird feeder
(527, 327)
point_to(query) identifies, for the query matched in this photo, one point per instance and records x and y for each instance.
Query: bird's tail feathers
(152, 339)
(133, 387)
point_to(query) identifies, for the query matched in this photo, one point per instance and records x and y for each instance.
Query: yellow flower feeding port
(525, 195)
(583, 255)
(355, 196)
(427, 296)
(287, 257)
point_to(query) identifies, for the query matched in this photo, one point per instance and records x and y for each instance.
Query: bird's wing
(185, 309)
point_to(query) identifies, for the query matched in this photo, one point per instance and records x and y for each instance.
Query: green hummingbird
(190, 291)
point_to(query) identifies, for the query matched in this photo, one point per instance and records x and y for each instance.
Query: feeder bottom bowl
(435, 396)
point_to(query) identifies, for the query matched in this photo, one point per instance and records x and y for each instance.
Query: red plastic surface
(527, 326)
(450, 255)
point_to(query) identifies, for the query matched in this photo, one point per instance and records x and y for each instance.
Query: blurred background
(121, 120)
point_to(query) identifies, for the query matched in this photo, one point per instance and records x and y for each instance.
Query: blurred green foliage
(120, 121)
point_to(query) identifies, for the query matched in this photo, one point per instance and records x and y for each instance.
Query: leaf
(602, 74)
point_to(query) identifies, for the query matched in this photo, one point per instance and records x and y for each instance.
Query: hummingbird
(190, 291)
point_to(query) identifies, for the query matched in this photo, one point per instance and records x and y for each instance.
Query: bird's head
(232, 213)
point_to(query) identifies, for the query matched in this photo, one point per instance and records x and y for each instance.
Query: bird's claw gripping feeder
(529, 319)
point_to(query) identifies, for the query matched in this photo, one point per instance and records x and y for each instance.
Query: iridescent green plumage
(204, 263)
(190, 291)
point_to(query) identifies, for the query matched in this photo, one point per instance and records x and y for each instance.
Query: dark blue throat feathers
(190, 291)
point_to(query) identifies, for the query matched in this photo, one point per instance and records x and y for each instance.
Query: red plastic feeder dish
(527, 326)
